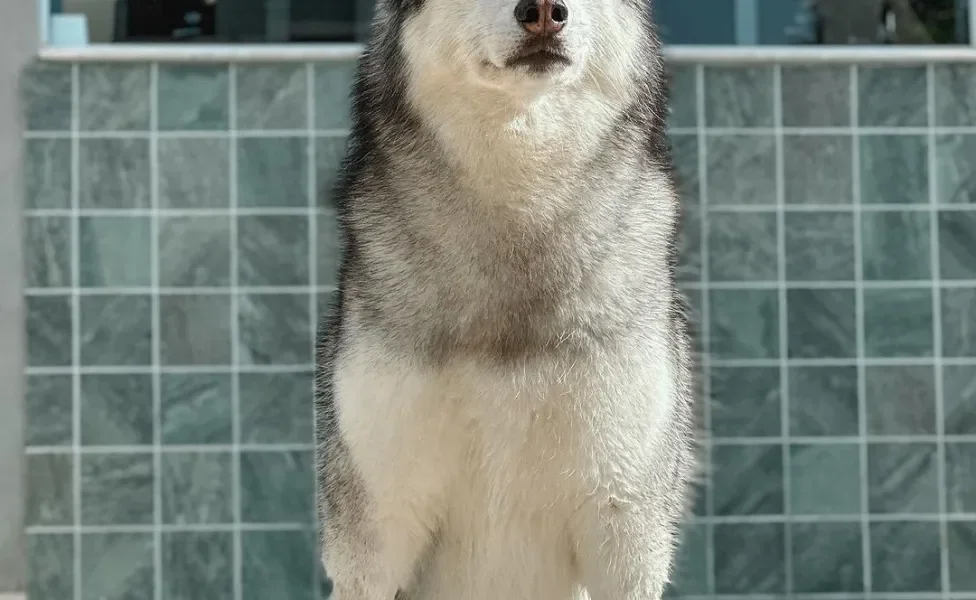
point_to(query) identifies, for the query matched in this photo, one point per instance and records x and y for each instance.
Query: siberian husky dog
(504, 387)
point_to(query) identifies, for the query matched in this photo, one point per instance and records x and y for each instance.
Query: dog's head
(521, 45)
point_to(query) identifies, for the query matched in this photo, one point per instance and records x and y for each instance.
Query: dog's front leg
(371, 540)
(625, 551)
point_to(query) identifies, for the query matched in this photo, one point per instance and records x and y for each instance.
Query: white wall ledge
(256, 53)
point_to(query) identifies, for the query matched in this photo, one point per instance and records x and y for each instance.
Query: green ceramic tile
(959, 398)
(958, 322)
(896, 246)
(894, 169)
(194, 173)
(47, 171)
(48, 404)
(275, 408)
(333, 83)
(272, 97)
(116, 410)
(113, 97)
(960, 486)
(823, 401)
(699, 495)
(690, 577)
(194, 251)
(816, 96)
(747, 480)
(195, 329)
(817, 169)
(962, 556)
(115, 251)
(827, 558)
(198, 565)
(278, 564)
(902, 478)
(274, 329)
(749, 558)
(117, 566)
(825, 479)
(329, 152)
(693, 299)
(682, 95)
(819, 246)
(196, 488)
(955, 173)
(273, 250)
(116, 330)
(821, 323)
(195, 408)
(272, 172)
(895, 570)
(116, 489)
(328, 249)
(955, 94)
(957, 250)
(744, 324)
(47, 252)
(277, 487)
(685, 153)
(741, 169)
(742, 247)
(891, 96)
(48, 331)
(897, 323)
(114, 173)
(49, 495)
(194, 98)
(50, 572)
(46, 94)
(745, 402)
(900, 400)
(738, 96)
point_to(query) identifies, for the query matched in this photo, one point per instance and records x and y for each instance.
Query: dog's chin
(528, 72)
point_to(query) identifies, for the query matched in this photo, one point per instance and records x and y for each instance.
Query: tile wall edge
(344, 52)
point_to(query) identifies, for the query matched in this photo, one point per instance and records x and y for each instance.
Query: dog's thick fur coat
(504, 393)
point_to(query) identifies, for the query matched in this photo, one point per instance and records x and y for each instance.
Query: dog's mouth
(539, 57)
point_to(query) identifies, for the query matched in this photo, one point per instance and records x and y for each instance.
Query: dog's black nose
(542, 17)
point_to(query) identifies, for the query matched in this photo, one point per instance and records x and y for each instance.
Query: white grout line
(860, 342)
(285, 211)
(174, 449)
(170, 370)
(212, 134)
(299, 526)
(156, 333)
(913, 284)
(235, 385)
(76, 328)
(783, 326)
(167, 528)
(313, 229)
(181, 291)
(967, 361)
(920, 284)
(704, 331)
(345, 52)
(829, 130)
(934, 247)
(299, 447)
(907, 130)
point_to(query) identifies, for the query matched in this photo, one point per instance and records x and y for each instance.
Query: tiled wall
(180, 240)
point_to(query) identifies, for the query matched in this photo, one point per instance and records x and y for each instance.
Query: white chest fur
(496, 463)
